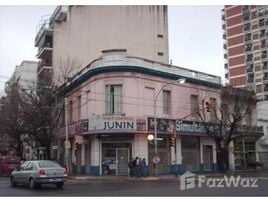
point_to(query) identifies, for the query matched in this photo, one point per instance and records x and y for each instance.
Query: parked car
(8, 164)
(38, 172)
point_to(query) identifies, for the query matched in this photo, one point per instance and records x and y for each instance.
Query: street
(130, 188)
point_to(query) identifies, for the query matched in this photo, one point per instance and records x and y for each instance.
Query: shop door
(207, 157)
(122, 157)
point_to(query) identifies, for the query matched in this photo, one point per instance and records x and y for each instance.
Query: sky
(195, 37)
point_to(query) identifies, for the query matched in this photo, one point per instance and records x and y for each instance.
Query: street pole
(175, 146)
(155, 135)
(66, 136)
(181, 81)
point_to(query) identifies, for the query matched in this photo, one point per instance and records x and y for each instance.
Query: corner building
(111, 112)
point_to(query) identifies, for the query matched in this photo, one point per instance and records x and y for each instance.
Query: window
(265, 88)
(248, 37)
(263, 43)
(250, 77)
(194, 104)
(250, 67)
(261, 22)
(166, 102)
(113, 99)
(249, 47)
(258, 88)
(262, 34)
(264, 54)
(254, 15)
(70, 111)
(264, 66)
(79, 107)
(247, 27)
(160, 53)
(160, 35)
(249, 57)
(246, 16)
(265, 76)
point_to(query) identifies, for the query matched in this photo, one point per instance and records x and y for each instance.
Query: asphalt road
(130, 188)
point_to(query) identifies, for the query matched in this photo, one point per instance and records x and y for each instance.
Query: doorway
(122, 157)
(207, 157)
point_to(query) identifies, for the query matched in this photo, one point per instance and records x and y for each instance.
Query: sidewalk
(168, 177)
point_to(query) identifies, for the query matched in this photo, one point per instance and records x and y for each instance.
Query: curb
(164, 178)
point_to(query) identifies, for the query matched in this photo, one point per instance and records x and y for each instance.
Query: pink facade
(115, 97)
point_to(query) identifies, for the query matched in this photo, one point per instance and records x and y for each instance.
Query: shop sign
(190, 127)
(75, 128)
(78, 127)
(116, 123)
(166, 126)
(163, 125)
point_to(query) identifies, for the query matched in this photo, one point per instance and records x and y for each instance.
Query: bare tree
(11, 121)
(64, 69)
(223, 123)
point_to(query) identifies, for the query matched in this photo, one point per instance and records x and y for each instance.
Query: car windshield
(12, 160)
(48, 164)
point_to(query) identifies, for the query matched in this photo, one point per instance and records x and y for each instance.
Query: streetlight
(181, 81)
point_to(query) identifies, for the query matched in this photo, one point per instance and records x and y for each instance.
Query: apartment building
(245, 36)
(74, 35)
(245, 43)
(25, 75)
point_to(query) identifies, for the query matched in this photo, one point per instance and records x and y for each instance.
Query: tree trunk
(222, 159)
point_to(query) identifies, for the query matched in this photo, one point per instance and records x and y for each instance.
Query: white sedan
(39, 172)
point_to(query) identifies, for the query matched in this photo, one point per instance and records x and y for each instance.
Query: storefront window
(245, 154)
(190, 153)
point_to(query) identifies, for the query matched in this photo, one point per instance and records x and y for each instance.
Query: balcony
(263, 140)
(45, 51)
(60, 14)
(265, 78)
(265, 89)
(44, 31)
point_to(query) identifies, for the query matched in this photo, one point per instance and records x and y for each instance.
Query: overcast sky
(195, 37)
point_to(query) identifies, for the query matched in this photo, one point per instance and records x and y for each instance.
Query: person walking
(135, 166)
(145, 170)
(140, 168)
(130, 166)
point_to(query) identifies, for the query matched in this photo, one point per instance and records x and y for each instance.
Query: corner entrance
(115, 156)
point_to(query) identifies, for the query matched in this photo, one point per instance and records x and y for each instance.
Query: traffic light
(75, 145)
(172, 141)
(208, 106)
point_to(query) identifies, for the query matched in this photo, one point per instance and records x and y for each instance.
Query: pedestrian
(145, 169)
(130, 166)
(135, 166)
(140, 168)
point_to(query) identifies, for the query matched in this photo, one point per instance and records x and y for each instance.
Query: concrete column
(83, 154)
(179, 165)
(95, 156)
(257, 149)
(179, 155)
(231, 157)
(140, 146)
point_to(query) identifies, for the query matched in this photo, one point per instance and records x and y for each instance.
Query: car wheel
(32, 183)
(59, 185)
(13, 182)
